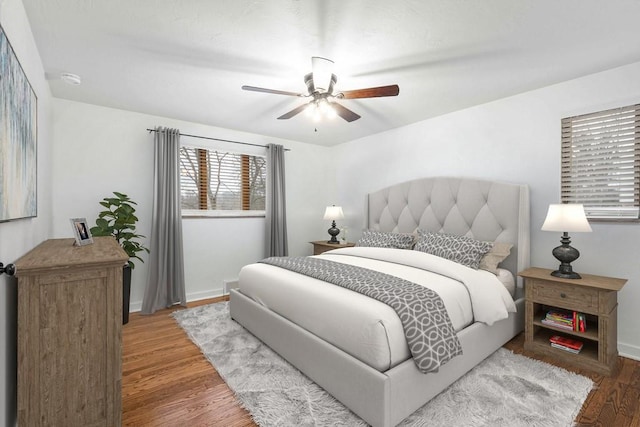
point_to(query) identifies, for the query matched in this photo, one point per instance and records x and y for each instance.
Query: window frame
(223, 213)
(600, 158)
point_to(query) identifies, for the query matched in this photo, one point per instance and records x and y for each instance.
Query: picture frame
(18, 138)
(81, 231)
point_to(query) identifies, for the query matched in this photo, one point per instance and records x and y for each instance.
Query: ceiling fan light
(317, 115)
(322, 69)
(310, 109)
(331, 112)
(323, 106)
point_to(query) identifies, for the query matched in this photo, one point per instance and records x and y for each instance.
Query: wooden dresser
(69, 334)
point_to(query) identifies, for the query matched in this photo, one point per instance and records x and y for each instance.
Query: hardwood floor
(166, 381)
(614, 401)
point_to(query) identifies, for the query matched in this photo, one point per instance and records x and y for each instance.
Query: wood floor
(166, 381)
(614, 401)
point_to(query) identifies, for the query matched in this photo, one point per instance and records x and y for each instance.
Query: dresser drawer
(570, 297)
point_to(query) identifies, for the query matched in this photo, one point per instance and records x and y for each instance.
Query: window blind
(601, 162)
(221, 181)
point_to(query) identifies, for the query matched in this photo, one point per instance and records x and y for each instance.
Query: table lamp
(566, 217)
(332, 213)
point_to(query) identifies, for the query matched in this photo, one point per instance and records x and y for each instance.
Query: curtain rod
(218, 139)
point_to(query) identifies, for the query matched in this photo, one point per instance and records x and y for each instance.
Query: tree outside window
(212, 180)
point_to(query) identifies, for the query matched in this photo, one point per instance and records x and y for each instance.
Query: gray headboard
(483, 210)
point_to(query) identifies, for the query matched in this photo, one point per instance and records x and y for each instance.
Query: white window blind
(220, 181)
(601, 163)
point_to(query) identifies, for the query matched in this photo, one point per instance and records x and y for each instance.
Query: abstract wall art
(18, 138)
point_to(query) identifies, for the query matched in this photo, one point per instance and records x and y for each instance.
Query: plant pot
(126, 293)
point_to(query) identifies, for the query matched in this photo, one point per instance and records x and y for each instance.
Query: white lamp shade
(333, 212)
(566, 217)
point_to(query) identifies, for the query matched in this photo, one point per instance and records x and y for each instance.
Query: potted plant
(119, 220)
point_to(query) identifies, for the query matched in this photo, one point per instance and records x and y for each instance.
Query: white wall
(100, 150)
(515, 139)
(86, 152)
(20, 236)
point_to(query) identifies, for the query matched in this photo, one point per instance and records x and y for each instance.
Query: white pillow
(506, 278)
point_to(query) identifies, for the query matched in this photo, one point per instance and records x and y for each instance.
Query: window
(601, 163)
(220, 183)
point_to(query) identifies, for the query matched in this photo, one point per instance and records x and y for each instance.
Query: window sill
(615, 220)
(194, 213)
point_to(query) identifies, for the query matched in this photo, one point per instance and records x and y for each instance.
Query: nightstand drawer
(581, 299)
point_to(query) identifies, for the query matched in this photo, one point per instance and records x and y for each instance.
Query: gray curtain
(165, 282)
(276, 212)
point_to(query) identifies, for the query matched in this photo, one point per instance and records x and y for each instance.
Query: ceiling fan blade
(371, 92)
(277, 92)
(293, 112)
(344, 112)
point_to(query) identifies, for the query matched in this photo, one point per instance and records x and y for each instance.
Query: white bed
(363, 361)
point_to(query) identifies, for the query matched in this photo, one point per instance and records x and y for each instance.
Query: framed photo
(81, 231)
(18, 141)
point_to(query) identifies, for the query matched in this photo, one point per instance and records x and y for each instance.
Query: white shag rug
(506, 389)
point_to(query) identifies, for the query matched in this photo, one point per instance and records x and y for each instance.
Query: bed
(384, 388)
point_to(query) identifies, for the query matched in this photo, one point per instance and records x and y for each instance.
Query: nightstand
(594, 296)
(321, 246)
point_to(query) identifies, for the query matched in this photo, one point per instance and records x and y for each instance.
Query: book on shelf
(557, 325)
(581, 320)
(565, 343)
(566, 319)
(561, 347)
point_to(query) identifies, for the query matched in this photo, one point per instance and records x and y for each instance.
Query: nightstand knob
(563, 295)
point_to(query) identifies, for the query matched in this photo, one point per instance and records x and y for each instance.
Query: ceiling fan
(320, 84)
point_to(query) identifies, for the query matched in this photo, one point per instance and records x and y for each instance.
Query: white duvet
(366, 328)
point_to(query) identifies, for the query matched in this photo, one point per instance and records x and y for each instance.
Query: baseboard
(136, 306)
(227, 285)
(629, 351)
(625, 350)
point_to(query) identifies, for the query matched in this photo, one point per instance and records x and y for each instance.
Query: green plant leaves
(119, 221)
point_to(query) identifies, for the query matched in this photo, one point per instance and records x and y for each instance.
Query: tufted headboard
(483, 210)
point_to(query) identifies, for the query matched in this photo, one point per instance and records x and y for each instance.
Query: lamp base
(333, 231)
(566, 254)
(566, 275)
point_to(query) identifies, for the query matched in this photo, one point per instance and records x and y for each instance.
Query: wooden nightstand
(595, 296)
(321, 246)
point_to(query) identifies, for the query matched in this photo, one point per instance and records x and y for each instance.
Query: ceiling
(187, 59)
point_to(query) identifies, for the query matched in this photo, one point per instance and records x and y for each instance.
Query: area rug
(505, 390)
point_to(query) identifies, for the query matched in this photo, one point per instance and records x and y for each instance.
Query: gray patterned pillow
(380, 239)
(460, 249)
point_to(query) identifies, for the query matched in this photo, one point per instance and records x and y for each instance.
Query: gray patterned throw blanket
(427, 326)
